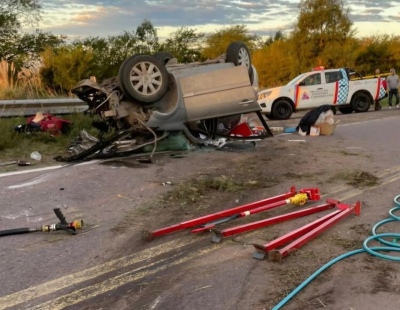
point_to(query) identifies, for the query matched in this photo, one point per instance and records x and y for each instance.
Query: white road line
(35, 181)
(88, 274)
(7, 174)
(115, 282)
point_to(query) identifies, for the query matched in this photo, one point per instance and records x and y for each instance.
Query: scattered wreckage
(154, 95)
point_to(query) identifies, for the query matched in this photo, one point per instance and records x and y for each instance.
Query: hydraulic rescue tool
(63, 225)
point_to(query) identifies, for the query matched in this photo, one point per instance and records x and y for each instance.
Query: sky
(103, 18)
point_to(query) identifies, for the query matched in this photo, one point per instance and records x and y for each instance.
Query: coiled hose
(374, 251)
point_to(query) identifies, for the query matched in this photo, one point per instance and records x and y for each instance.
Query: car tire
(282, 110)
(164, 56)
(239, 55)
(144, 78)
(346, 110)
(361, 102)
(121, 68)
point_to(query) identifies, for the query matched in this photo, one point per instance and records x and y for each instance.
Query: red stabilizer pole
(312, 195)
(274, 220)
(278, 255)
(212, 217)
(297, 233)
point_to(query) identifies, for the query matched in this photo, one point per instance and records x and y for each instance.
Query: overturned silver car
(154, 95)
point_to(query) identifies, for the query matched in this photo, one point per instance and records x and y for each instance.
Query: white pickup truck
(343, 88)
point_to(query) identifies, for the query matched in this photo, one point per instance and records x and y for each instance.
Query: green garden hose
(374, 251)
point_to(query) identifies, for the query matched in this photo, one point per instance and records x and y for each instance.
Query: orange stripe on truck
(336, 92)
(378, 89)
(296, 97)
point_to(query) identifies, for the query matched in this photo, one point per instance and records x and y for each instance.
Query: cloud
(111, 17)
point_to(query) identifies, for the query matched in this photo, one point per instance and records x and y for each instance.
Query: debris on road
(36, 155)
(23, 163)
(322, 118)
(46, 123)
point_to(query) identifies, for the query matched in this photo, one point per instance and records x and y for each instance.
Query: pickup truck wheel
(282, 110)
(238, 53)
(361, 103)
(346, 110)
(164, 56)
(144, 78)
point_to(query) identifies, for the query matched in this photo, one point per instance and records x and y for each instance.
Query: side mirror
(302, 83)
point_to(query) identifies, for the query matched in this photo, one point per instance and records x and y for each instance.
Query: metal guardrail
(32, 106)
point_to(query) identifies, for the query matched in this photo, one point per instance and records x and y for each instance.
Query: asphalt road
(56, 270)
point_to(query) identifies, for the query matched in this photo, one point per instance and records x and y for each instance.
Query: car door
(218, 92)
(311, 92)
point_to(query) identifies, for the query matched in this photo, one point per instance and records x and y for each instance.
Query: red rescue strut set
(209, 221)
(303, 234)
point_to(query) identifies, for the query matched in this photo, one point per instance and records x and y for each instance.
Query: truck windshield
(297, 78)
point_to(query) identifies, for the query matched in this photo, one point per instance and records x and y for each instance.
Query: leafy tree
(109, 53)
(24, 11)
(146, 38)
(216, 43)
(112, 51)
(14, 13)
(16, 47)
(274, 63)
(64, 67)
(322, 25)
(377, 52)
(278, 36)
(184, 44)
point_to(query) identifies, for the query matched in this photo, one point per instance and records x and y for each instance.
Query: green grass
(195, 190)
(385, 102)
(19, 146)
(26, 92)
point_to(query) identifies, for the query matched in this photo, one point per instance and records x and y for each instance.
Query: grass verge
(19, 146)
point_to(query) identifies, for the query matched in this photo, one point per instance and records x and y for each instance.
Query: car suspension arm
(101, 144)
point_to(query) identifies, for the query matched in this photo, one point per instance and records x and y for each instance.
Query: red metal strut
(218, 235)
(304, 234)
(208, 221)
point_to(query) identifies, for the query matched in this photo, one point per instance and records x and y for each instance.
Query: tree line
(323, 35)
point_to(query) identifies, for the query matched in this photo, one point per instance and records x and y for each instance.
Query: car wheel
(121, 68)
(164, 56)
(238, 53)
(144, 78)
(361, 102)
(281, 110)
